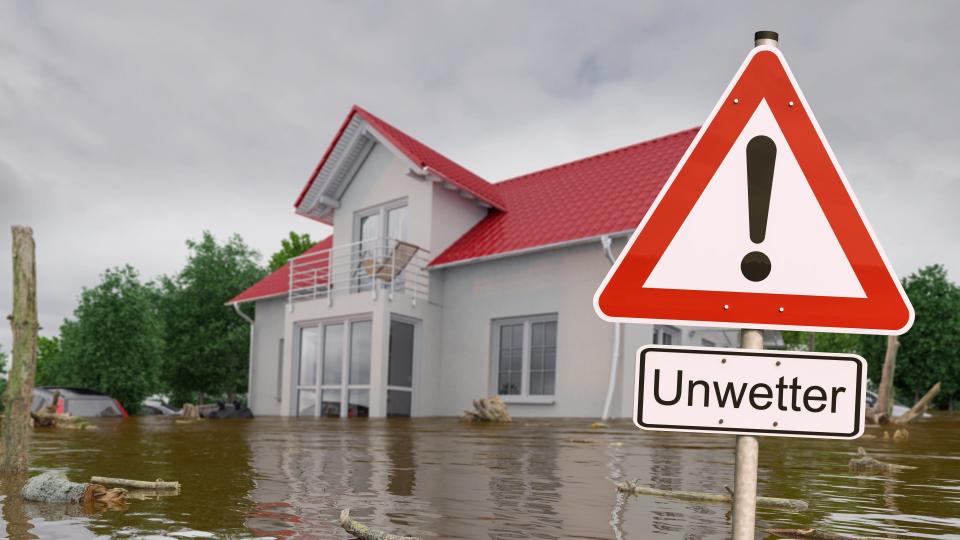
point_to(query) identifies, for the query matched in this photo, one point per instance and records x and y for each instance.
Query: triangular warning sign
(757, 227)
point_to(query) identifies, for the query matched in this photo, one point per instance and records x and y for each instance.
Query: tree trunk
(15, 435)
(884, 406)
(811, 341)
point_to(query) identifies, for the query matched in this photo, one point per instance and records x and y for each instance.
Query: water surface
(439, 478)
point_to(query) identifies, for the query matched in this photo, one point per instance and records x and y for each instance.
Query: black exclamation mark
(761, 156)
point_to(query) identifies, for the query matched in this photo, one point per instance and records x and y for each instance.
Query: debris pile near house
(221, 411)
(868, 464)
(54, 487)
(358, 530)
(49, 417)
(491, 409)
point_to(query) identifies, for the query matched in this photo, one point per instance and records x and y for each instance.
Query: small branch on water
(158, 485)
(790, 505)
(868, 464)
(809, 533)
(358, 530)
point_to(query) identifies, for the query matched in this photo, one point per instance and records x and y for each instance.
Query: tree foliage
(292, 246)
(928, 353)
(51, 369)
(114, 344)
(207, 342)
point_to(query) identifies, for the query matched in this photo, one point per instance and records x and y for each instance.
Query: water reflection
(438, 478)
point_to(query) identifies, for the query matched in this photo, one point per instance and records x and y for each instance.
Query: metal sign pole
(745, 477)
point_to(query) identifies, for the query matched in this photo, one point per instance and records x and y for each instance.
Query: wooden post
(884, 405)
(15, 436)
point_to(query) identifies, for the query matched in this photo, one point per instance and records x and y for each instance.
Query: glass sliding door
(334, 369)
(400, 372)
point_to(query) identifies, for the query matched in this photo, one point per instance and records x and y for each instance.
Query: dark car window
(148, 410)
(91, 407)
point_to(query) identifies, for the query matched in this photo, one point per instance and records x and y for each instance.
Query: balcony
(382, 266)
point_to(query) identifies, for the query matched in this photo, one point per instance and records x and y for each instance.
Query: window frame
(318, 387)
(524, 397)
(676, 335)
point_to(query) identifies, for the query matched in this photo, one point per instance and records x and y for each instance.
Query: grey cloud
(126, 127)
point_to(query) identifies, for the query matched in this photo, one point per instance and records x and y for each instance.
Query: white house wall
(264, 398)
(381, 179)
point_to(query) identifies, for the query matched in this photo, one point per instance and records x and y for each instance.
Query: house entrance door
(400, 374)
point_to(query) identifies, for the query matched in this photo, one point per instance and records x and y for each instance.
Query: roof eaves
(527, 250)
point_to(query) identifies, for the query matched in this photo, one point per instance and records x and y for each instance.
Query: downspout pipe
(607, 242)
(244, 316)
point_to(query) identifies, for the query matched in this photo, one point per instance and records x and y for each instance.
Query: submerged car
(155, 406)
(78, 402)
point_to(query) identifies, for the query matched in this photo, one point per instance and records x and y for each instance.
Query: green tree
(293, 245)
(51, 369)
(207, 343)
(114, 344)
(930, 351)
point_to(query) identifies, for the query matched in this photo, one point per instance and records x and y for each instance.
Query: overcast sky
(128, 127)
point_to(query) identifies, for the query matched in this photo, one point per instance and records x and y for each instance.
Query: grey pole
(745, 476)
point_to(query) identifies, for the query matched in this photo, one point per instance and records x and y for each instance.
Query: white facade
(477, 321)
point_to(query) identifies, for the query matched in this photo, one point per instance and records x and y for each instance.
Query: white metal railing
(376, 266)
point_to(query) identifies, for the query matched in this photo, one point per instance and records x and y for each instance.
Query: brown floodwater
(439, 478)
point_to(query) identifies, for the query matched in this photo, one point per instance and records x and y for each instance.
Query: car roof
(67, 391)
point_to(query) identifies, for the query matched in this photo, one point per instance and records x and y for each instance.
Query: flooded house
(438, 286)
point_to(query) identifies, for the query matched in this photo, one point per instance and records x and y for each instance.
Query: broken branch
(157, 485)
(790, 505)
(866, 463)
(919, 407)
(363, 532)
(809, 533)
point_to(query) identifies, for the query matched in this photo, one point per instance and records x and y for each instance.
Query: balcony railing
(378, 266)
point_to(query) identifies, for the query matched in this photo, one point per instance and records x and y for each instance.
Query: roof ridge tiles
(608, 153)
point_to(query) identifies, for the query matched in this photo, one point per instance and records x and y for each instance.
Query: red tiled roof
(422, 155)
(278, 282)
(602, 194)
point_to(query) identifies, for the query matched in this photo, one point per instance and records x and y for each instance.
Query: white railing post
(393, 267)
(330, 278)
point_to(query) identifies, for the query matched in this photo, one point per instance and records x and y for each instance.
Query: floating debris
(54, 487)
(634, 488)
(866, 463)
(157, 485)
(363, 532)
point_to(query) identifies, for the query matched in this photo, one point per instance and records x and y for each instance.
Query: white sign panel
(750, 392)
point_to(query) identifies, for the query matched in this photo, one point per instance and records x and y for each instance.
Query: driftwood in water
(919, 407)
(15, 429)
(158, 485)
(358, 530)
(809, 533)
(866, 463)
(491, 409)
(54, 487)
(790, 505)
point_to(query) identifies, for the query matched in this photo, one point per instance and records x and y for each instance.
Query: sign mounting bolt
(790, 104)
(736, 101)
(726, 307)
(781, 309)
(721, 420)
(774, 424)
